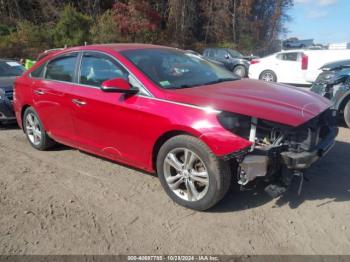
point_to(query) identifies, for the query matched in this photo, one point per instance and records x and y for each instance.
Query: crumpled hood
(270, 101)
(6, 83)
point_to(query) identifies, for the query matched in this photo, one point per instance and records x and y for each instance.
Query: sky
(326, 21)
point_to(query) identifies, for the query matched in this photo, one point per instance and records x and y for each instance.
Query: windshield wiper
(204, 84)
(220, 81)
(182, 86)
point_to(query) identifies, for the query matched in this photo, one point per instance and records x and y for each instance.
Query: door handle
(78, 102)
(39, 92)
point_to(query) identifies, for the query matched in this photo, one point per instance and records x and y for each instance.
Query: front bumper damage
(281, 153)
(303, 160)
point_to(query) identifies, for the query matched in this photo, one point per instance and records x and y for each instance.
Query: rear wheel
(268, 76)
(240, 71)
(35, 131)
(191, 174)
(347, 114)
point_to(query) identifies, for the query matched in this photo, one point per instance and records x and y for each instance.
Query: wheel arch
(23, 109)
(162, 139)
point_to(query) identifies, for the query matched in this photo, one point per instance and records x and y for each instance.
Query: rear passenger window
(288, 56)
(95, 69)
(62, 68)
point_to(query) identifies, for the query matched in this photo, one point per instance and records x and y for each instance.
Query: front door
(106, 123)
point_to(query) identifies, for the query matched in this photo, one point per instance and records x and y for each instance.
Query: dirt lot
(68, 202)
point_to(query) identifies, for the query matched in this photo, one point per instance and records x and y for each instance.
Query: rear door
(50, 93)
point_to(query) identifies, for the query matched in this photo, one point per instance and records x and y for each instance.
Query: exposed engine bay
(279, 148)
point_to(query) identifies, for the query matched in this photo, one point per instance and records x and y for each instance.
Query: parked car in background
(297, 44)
(206, 58)
(232, 59)
(9, 70)
(334, 84)
(164, 110)
(294, 66)
(335, 46)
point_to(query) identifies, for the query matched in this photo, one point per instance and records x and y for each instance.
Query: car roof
(292, 51)
(117, 47)
(103, 47)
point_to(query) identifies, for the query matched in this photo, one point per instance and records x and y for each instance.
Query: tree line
(27, 27)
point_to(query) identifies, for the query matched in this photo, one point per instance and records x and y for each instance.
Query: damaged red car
(167, 111)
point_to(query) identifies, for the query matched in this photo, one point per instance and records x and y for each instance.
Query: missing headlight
(236, 123)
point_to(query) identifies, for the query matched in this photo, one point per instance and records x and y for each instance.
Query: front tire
(191, 174)
(35, 131)
(347, 113)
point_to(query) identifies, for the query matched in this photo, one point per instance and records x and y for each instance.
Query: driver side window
(95, 69)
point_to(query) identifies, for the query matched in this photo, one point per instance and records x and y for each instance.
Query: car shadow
(329, 180)
(9, 126)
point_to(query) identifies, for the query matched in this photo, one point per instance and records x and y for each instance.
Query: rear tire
(210, 176)
(347, 114)
(240, 71)
(268, 76)
(35, 131)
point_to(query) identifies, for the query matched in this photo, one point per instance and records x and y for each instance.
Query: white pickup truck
(299, 67)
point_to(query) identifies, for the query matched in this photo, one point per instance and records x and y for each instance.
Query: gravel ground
(68, 202)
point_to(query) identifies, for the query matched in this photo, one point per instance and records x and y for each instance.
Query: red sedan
(172, 112)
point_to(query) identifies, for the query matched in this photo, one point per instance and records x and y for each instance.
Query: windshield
(172, 69)
(234, 53)
(10, 68)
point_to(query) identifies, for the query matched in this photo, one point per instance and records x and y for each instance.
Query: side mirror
(118, 85)
(227, 57)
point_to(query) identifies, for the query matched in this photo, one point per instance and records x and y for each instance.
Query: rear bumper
(303, 160)
(6, 110)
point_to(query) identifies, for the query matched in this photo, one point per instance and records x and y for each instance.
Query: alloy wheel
(186, 174)
(33, 129)
(267, 77)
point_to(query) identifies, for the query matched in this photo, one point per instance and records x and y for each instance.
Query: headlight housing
(236, 123)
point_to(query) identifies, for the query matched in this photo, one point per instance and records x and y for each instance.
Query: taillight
(254, 61)
(304, 62)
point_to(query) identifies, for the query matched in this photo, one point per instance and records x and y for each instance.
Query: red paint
(304, 62)
(126, 128)
(118, 83)
(254, 61)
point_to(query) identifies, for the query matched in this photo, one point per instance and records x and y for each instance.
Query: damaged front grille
(307, 136)
(298, 139)
(296, 148)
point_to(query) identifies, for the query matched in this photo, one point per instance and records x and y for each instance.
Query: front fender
(222, 142)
